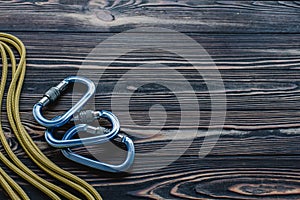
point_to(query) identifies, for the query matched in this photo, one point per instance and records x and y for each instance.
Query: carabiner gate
(84, 117)
(68, 153)
(51, 96)
(103, 134)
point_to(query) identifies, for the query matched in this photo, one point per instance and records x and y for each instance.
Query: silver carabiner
(103, 134)
(51, 96)
(68, 153)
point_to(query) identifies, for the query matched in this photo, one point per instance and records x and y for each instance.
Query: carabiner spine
(53, 93)
(123, 167)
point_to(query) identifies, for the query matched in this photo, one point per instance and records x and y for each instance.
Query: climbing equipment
(100, 134)
(52, 95)
(34, 153)
(100, 165)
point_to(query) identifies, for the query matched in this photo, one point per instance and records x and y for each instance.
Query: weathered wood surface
(255, 44)
(182, 15)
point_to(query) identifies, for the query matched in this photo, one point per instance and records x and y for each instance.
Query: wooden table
(254, 44)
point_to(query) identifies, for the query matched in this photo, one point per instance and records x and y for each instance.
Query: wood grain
(254, 44)
(245, 177)
(258, 151)
(258, 73)
(185, 16)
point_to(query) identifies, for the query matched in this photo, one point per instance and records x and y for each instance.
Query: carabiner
(68, 153)
(103, 134)
(53, 93)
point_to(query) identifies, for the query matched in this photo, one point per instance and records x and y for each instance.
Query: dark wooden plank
(231, 142)
(258, 73)
(212, 177)
(182, 15)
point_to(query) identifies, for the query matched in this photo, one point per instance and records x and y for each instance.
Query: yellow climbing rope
(12, 105)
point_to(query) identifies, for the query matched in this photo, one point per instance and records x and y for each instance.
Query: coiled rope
(12, 105)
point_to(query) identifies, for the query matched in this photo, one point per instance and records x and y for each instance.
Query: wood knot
(105, 15)
(265, 189)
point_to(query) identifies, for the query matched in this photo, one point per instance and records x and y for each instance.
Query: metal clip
(68, 153)
(51, 96)
(102, 134)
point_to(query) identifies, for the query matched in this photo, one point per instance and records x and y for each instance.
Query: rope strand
(31, 149)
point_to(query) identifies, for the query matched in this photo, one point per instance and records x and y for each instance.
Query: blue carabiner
(53, 93)
(103, 135)
(68, 153)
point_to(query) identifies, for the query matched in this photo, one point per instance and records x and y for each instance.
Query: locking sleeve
(97, 130)
(85, 116)
(53, 93)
